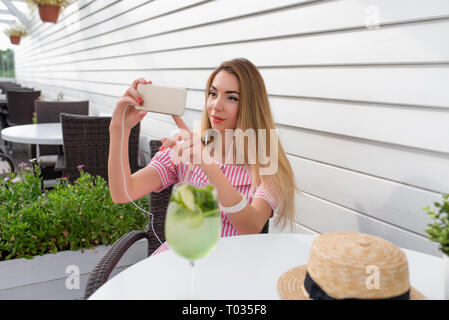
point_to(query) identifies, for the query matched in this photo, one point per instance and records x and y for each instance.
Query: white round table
(41, 133)
(242, 267)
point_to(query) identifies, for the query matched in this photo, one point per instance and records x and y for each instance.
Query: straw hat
(353, 265)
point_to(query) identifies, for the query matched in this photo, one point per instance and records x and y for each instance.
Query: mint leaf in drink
(200, 196)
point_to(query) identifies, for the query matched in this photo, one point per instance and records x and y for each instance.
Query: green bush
(439, 230)
(68, 217)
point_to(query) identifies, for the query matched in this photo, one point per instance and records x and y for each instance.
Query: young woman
(236, 98)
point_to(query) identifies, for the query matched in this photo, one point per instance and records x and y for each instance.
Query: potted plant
(439, 232)
(49, 9)
(44, 233)
(15, 32)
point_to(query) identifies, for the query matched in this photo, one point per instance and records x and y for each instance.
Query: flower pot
(14, 39)
(49, 13)
(446, 276)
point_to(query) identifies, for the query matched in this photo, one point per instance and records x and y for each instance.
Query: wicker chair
(18, 88)
(86, 142)
(3, 113)
(4, 104)
(8, 85)
(158, 207)
(21, 106)
(48, 112)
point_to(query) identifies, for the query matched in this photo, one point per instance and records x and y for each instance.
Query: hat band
(316, 293)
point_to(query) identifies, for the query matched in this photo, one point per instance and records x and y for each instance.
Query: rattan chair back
(86, 142)
(49, 111)
(21, 106)
(20, 89)
(8, 85)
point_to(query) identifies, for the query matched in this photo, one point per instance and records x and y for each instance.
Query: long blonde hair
(255, 113)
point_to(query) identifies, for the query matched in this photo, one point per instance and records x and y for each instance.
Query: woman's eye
(230, 97)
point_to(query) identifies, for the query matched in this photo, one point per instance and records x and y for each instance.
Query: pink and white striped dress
(239, 176)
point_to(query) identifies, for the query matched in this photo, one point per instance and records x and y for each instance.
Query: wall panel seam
(361, 214)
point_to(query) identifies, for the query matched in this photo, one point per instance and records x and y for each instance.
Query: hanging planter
(14, 40)
(49, 13)
(15, 32)
(49, 9)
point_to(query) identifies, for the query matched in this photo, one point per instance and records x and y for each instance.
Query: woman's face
(223, 101)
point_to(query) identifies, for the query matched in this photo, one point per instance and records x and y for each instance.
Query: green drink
(193, 222)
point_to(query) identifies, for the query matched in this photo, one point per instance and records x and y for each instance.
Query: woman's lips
(216, 120)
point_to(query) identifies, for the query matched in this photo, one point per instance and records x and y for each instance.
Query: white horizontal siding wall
(358, 90)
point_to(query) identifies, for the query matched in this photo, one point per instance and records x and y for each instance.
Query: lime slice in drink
(174, 197)
(195, 218)
(186, 197)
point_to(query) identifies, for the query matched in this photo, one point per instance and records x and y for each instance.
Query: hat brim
(291, 286)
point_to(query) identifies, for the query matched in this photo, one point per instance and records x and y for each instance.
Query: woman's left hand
(191, 148)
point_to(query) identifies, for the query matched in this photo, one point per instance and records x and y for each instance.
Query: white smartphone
(161, 99)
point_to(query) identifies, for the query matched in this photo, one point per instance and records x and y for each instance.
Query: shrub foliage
(68, 217)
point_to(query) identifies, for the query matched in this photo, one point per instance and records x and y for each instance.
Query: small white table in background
(242, 267)
(41, 133)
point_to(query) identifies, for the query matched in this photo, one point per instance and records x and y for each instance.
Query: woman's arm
(138, 184)
(145, 180)
(249, 220)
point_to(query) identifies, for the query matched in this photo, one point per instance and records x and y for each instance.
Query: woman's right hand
(133, 116)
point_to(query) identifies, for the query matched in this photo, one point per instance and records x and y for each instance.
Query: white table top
(41, 133)
(242, 267)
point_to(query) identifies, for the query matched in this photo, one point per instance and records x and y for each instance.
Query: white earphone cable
(124, 178)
